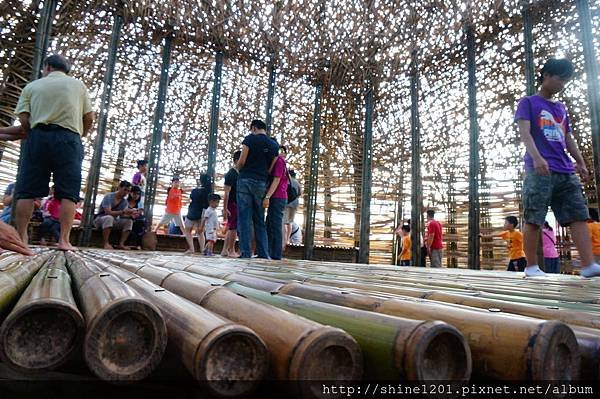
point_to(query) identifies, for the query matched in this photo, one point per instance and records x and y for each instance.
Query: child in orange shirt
(514, 243)
(594, 228)
(406, 250)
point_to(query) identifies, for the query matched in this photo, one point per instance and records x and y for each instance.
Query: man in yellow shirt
(55, 112)
(594, 228)
(514, 243)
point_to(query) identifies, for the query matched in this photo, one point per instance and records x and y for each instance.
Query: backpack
(292, 193)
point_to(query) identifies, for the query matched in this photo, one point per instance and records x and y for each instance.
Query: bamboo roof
(346, 46)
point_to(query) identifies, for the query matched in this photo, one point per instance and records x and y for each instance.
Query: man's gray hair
(58, 62)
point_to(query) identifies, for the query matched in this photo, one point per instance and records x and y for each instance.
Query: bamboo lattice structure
(343, 45)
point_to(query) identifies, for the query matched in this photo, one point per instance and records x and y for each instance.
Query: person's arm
(270, 191)
(24, 120)
(539, 164)
(88, 122)
(576, 154)
(226, 213)
(10, 240)
(243, 157)
(12, 133)
(7, 199)
(272, 165)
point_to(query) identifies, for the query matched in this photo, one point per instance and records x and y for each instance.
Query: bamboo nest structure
(347, 47)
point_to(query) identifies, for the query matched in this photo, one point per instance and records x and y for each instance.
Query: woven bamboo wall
(344, 44)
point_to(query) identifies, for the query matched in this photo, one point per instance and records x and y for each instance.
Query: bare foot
(234, 255)
(121, 246)
(108, 246)
(65, 246)
(188, 252)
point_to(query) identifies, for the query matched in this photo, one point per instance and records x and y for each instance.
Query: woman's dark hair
(284, 148)
(547, 226)
(512, 220)
(206, 181)
(406, 228)
(562, 68)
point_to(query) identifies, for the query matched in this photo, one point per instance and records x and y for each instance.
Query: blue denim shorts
(50, 149)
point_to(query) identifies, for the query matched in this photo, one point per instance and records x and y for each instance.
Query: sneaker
(592, 270)
(534, 271)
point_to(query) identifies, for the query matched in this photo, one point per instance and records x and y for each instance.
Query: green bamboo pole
(393, 347)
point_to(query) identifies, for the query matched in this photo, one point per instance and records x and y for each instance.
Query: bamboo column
(270, 99)
(531, 87)
(96, 165)
(311, 192)
(42, 37)
(593, 89)
(416, 191)
(367, 159)
(214, 116)
(474, 244)
(157, 131)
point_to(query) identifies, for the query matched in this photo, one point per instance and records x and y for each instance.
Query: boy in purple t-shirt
(550, 178)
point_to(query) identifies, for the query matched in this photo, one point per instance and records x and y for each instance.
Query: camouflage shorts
(562, 192)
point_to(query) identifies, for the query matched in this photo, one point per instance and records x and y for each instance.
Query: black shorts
(50, 149)
(515, 265)
(405, 263)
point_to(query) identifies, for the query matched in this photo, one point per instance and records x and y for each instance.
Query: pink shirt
(53, 208)
(549, 241)
(279, 170)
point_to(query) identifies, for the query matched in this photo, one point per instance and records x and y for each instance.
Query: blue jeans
(250, 194)
(50, 227)
(275, 226)
(552, 265)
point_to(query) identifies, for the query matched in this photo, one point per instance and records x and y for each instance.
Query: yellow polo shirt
(56, 99)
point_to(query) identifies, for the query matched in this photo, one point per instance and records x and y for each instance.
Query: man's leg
(245, 211)
(23, 213)
(583, 243)
(126, 225)
(67, 214)
(258, 216)
(106, 224)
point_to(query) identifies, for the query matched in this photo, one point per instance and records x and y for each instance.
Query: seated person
(139, 221)
(7, 202)
(113, 213)
(51, 223)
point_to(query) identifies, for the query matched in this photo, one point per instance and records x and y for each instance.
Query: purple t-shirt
(280, 171)
(549, 129)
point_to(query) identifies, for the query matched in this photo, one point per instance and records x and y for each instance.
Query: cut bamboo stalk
(126, 334)
(227, 358)
(45, 326)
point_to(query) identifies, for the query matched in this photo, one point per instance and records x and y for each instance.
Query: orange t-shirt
(514, 243)
(594, 228)
(174, 199)
(405, 254)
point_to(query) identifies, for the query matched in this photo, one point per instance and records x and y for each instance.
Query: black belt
(50, 126)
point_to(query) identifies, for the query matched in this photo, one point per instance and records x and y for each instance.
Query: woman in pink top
(51, 224)
(551, 260)
(276, 200)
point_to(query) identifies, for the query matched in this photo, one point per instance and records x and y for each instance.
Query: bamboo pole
(300, 350)
(126, 334)
(394, 348)
(45, 326)
(228, 359)
(15, 274)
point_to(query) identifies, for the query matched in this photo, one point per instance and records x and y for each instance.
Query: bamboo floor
(495, 317)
